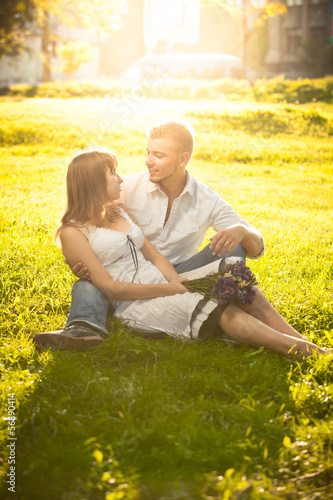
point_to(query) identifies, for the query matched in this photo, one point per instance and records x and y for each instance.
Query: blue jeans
(90, 306)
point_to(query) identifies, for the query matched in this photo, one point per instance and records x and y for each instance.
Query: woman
(144, 289)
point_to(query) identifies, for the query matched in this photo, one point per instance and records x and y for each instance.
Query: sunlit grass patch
(284, 120)
(150, 420)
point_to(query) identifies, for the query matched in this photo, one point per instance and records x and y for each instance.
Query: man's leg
(88, 306)
(206, 257)
(86, 323)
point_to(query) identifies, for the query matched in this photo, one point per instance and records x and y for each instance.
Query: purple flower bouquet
(235, 282)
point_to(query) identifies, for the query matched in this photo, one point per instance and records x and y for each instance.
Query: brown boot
(76, 337)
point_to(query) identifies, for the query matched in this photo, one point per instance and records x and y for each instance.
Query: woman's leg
(263, 310)
(244, 327)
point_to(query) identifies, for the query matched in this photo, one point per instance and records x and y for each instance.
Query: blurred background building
(300, 43)
(296, 43)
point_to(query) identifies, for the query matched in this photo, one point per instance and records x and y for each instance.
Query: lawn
(139, 419)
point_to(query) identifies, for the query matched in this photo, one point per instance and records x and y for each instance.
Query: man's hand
(226, 239)
(80, 272)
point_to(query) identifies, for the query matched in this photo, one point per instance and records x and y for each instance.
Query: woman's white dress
(178, 315)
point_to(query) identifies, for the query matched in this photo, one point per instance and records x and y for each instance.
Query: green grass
(139, 419)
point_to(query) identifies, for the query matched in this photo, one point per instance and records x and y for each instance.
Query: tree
(258, 11)
(15, 16)
(101, 16)
(74, 54)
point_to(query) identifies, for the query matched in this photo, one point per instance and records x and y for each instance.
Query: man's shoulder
(138, 177)
(201, 188)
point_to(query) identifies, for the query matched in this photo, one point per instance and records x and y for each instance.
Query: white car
(185, 66)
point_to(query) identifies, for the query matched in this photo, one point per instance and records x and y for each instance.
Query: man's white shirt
(195, 210)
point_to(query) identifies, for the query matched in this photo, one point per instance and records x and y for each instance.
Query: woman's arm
(156, 258)
(76, 248)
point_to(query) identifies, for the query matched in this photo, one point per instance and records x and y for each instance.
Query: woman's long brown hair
(87, 198)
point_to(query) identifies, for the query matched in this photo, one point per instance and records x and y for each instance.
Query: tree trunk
(305, 21)
(46, 48)
(245, 39)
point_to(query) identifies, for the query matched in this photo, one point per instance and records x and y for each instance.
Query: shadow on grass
(147, 417)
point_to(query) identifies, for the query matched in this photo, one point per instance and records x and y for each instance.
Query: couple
(110, 244)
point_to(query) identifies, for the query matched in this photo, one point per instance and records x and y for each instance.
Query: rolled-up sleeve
(223, 216)
(262, 251)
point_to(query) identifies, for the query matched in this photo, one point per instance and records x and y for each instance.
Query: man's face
(163, 160)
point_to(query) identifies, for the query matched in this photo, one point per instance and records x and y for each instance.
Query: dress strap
(134, 256)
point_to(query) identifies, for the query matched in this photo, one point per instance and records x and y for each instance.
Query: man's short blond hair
(182, 133)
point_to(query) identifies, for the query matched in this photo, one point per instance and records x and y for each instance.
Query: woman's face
(113, 182)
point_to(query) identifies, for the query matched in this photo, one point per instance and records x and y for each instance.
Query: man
(174, 210)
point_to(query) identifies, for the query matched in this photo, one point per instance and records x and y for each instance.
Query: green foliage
(99, 16)
(166, 88)
(298, 91)
(63, 90)
(141, 419)
(15, 15)
(273, 90)
(74, 54)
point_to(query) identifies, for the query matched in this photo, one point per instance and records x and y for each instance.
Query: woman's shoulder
(127, 216)
(71, 231)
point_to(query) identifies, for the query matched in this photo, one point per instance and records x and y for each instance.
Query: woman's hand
(175, 286)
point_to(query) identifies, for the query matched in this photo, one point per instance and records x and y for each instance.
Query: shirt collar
(189, 186)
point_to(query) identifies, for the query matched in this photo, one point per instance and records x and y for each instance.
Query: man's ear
(184, 159)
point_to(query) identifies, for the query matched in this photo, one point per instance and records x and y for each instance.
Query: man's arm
(231, 229)
(80, 272)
